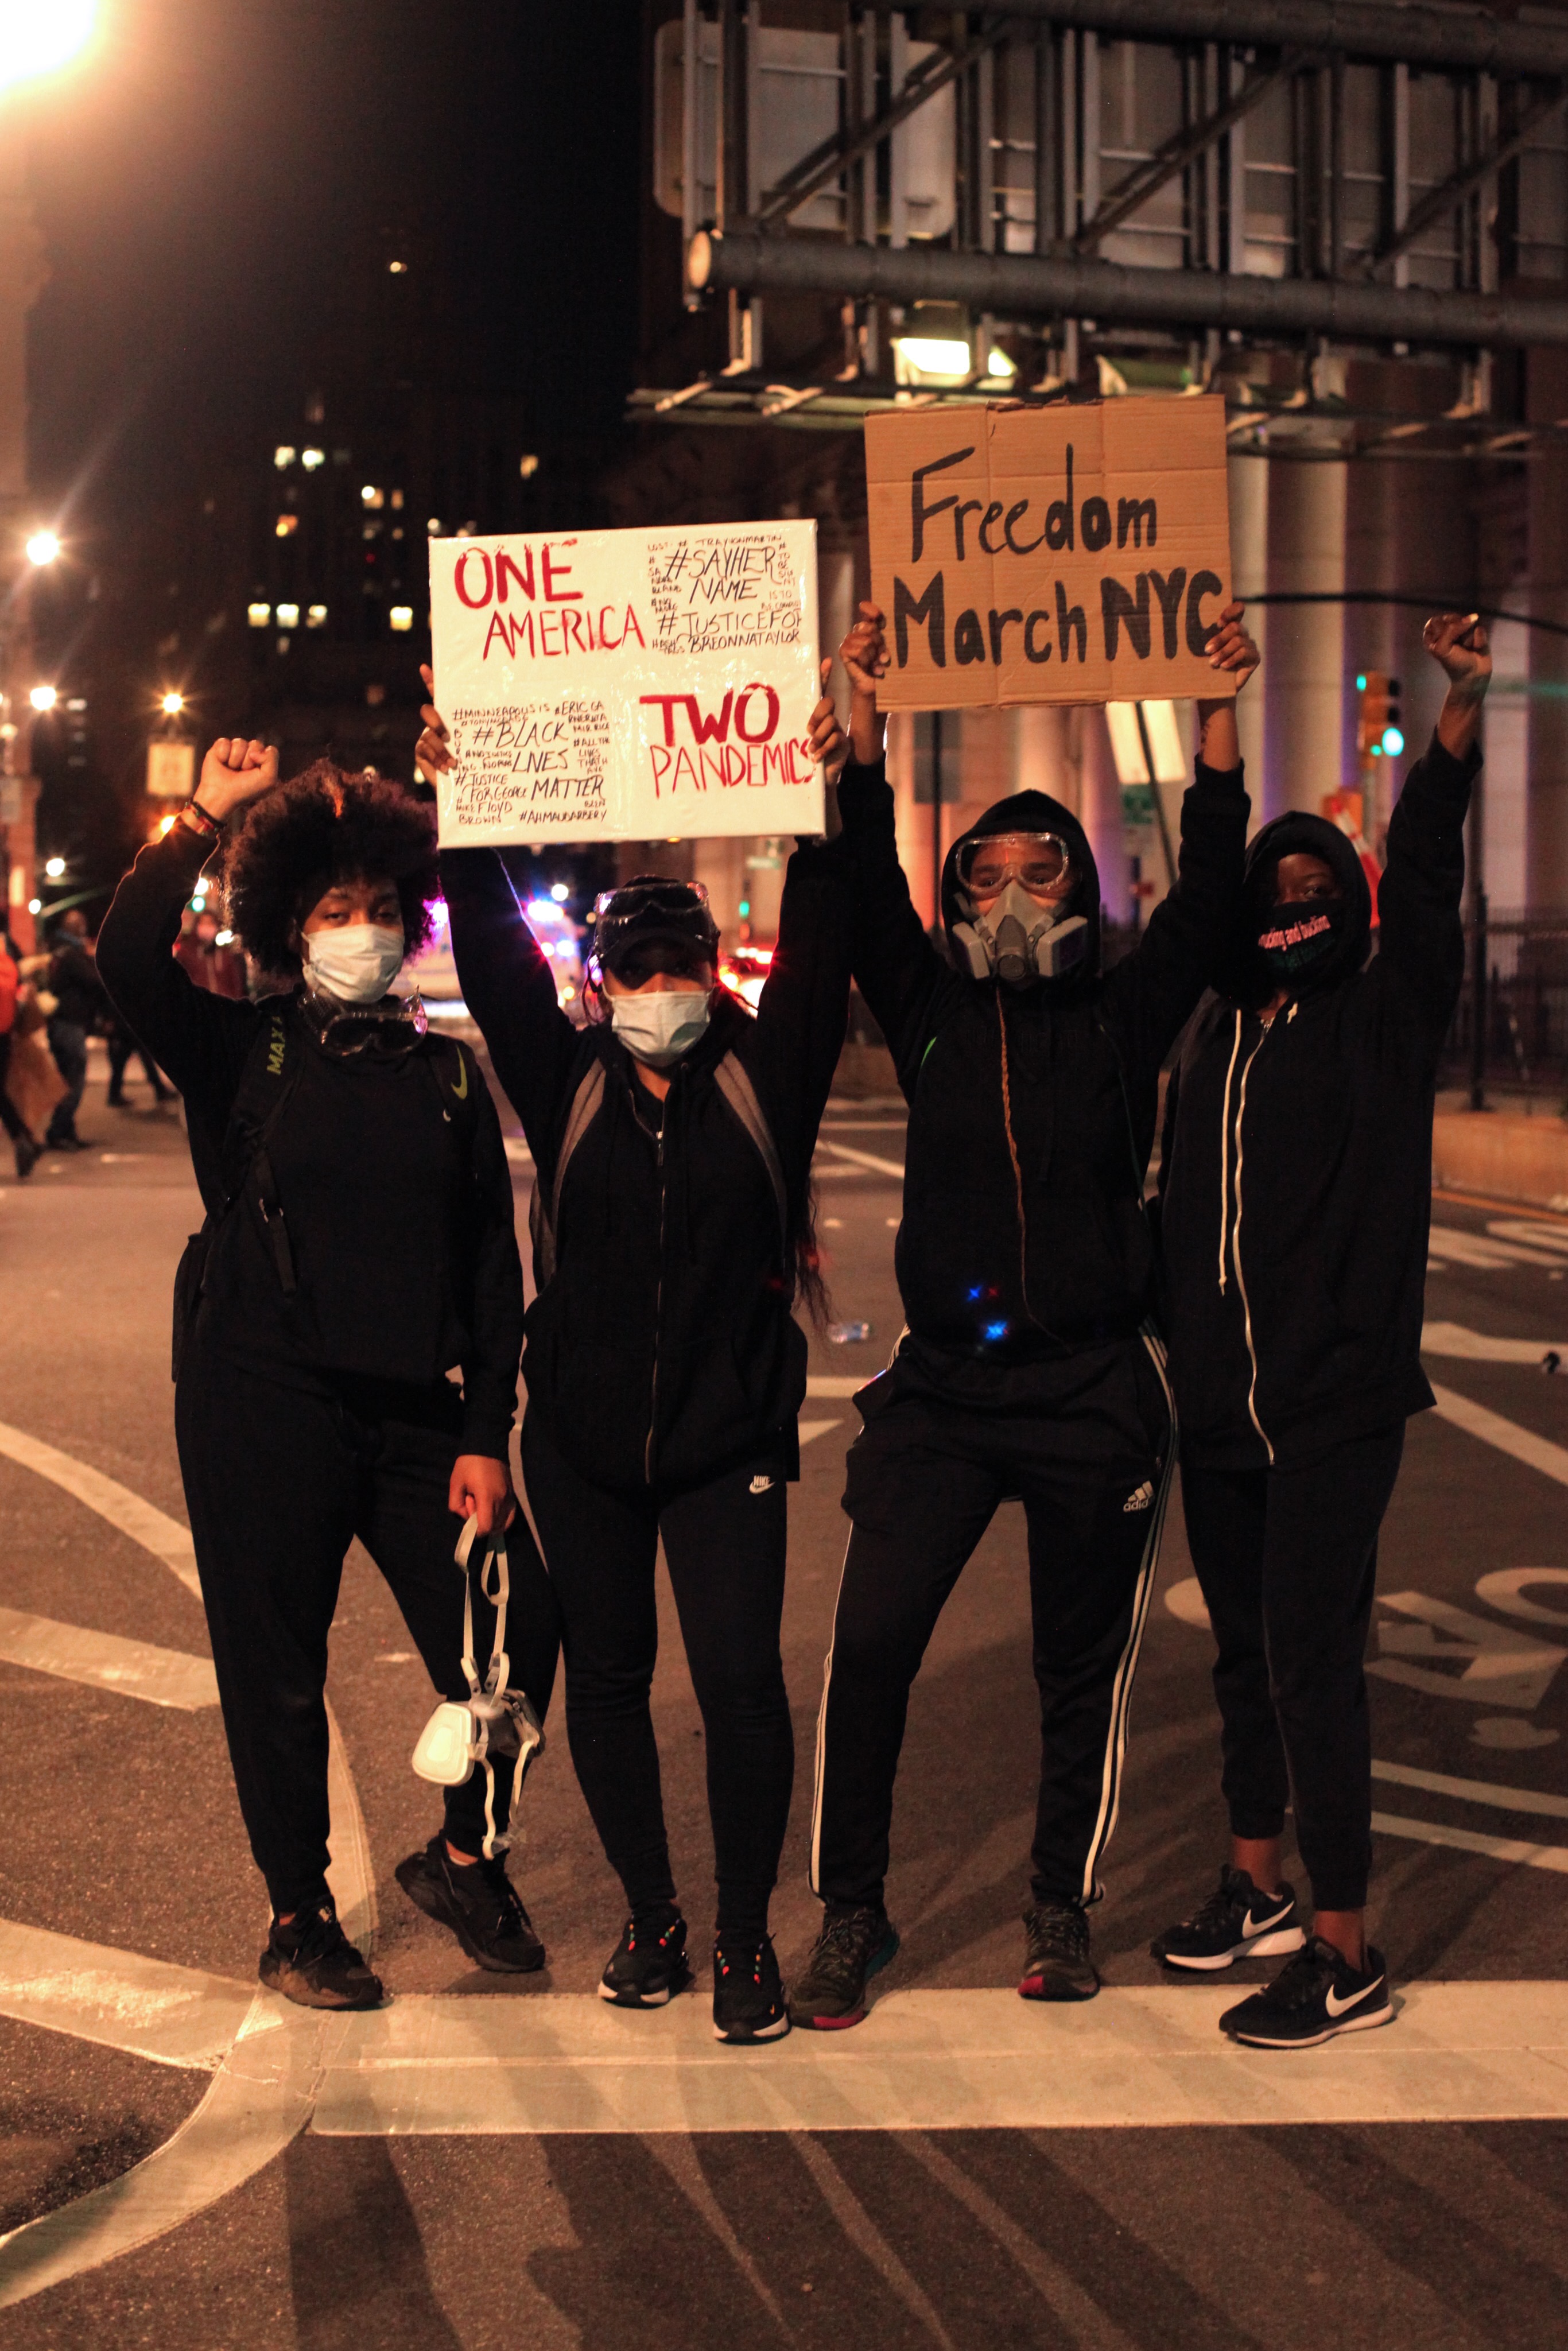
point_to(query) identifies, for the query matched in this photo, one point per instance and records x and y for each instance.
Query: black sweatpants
(278, 1481)
(11, 1118)
(1288, 1562)
(925, 1477)
(725, 1548)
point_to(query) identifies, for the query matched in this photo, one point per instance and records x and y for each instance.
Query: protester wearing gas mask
(672, 1223)
(1296, 1181)
(1029, 1366)
(358, 1255)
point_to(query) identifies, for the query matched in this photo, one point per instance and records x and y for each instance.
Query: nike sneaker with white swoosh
(1237, 1922)
(1314, 1996)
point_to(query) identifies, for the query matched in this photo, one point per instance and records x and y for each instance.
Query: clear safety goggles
(1038, 862)
(635, 898)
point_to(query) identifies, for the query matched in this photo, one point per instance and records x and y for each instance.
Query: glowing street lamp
(36, 41)
(43, 697)
(171, 705)
(43, 548)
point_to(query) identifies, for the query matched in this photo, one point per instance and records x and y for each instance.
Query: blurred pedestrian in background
(79, 1004)
(23, 1141)
(122, 1045)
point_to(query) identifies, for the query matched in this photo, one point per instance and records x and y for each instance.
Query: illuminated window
(402, 617)
(258, 615)
(315, 618)
(286, 525)
(372, 496)
(527, 468)
(397, 501)
(283, 456)
(311, 458)
(289, 616)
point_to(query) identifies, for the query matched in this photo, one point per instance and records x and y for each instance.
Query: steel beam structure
(1465, 40)
(1057, 286)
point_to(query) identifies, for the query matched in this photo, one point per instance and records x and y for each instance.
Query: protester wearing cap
(358, 1259)
(1029, 1366)
(1296, 1182)
(672, 1139)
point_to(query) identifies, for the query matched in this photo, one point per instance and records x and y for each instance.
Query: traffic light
(1378, 733)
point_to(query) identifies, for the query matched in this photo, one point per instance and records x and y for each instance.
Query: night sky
(216, 179)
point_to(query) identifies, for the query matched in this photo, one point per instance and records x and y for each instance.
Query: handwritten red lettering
(553, 572)
(741, 700)
(474, 603)
(524, 577)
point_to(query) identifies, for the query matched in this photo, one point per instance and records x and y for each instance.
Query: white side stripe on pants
(1122, 1690)
(821, 1762)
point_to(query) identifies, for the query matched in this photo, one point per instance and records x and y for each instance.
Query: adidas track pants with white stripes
(925, 1477)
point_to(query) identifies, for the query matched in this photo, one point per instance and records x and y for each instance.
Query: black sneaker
(1314, 1996)
(748, 2003)
(649, 1963)
(312, 1962)
(478, 1901)
(1237, 1922)
(855, 1944)
(28, 1155)
(1057, 1965)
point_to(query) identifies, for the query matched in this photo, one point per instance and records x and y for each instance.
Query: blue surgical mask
(659, 1027)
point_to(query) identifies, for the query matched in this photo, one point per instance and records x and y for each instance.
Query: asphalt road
(122, 1834)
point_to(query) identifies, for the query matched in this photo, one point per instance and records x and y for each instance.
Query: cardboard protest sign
(627, 684)
(1073, 553)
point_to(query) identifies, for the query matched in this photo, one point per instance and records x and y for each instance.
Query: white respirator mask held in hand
(495, 1720)
(658, 1027)
(355, 964)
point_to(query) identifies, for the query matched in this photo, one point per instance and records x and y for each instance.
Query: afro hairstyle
(326, 826)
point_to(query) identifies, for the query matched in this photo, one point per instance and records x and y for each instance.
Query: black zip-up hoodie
(398, 1202)
(1296, 1174)
(661, 1350)
(1000, 1263)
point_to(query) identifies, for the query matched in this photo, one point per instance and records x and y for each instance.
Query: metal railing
(1511, 1030)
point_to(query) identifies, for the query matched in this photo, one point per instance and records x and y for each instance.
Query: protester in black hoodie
(1026, 1269)
(1296, 1184)
(359, 1249)
(671, 1140)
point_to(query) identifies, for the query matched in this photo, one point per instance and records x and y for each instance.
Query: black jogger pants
(1288, 1562)
(925, 1477)
(279, 1481)
(725, 1547)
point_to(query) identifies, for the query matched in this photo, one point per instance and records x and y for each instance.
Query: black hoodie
(1296, 1174)
(1005, 1263)
(661, 1350)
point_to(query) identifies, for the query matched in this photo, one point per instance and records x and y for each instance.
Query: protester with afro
(347, 1322)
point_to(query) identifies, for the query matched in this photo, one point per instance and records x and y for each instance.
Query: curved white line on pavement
(260, 2099)
(165, 1537)
(249, 2114)
(867, 1159)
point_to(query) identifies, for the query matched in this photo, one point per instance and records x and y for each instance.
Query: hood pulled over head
(1299, 833)
(1022, 942)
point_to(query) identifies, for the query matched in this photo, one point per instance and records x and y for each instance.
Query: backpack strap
(739, 1091)
(544, 1223)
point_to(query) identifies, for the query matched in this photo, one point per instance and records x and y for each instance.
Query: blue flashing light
(975, 1293)
(995, 1330)
(1393, 741)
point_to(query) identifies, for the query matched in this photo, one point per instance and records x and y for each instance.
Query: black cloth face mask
(1293, 938)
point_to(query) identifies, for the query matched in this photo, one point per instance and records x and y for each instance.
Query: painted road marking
(1529, 1856)
(1506, 1666)
(867, 1159)
(1480, 1347)
(103, 1661)
(1474, 1791)
(1523, 1444)
(836, 1388)
(1135, 2057)
(175, 2016)
(1485, 1253)
(811, 1428)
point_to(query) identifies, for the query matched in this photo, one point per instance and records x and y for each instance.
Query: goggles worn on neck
(1039, 862)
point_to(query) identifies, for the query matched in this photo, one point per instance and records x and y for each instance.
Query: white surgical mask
(659, 1027)
(356, 965)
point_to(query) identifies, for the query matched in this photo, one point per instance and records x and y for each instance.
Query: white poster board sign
(627, 684)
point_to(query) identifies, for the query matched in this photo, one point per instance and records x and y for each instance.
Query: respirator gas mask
(1024, 931)
(495, 1721)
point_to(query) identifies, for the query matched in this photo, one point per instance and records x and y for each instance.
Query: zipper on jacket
(658, 1300)
(1235, 1241)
